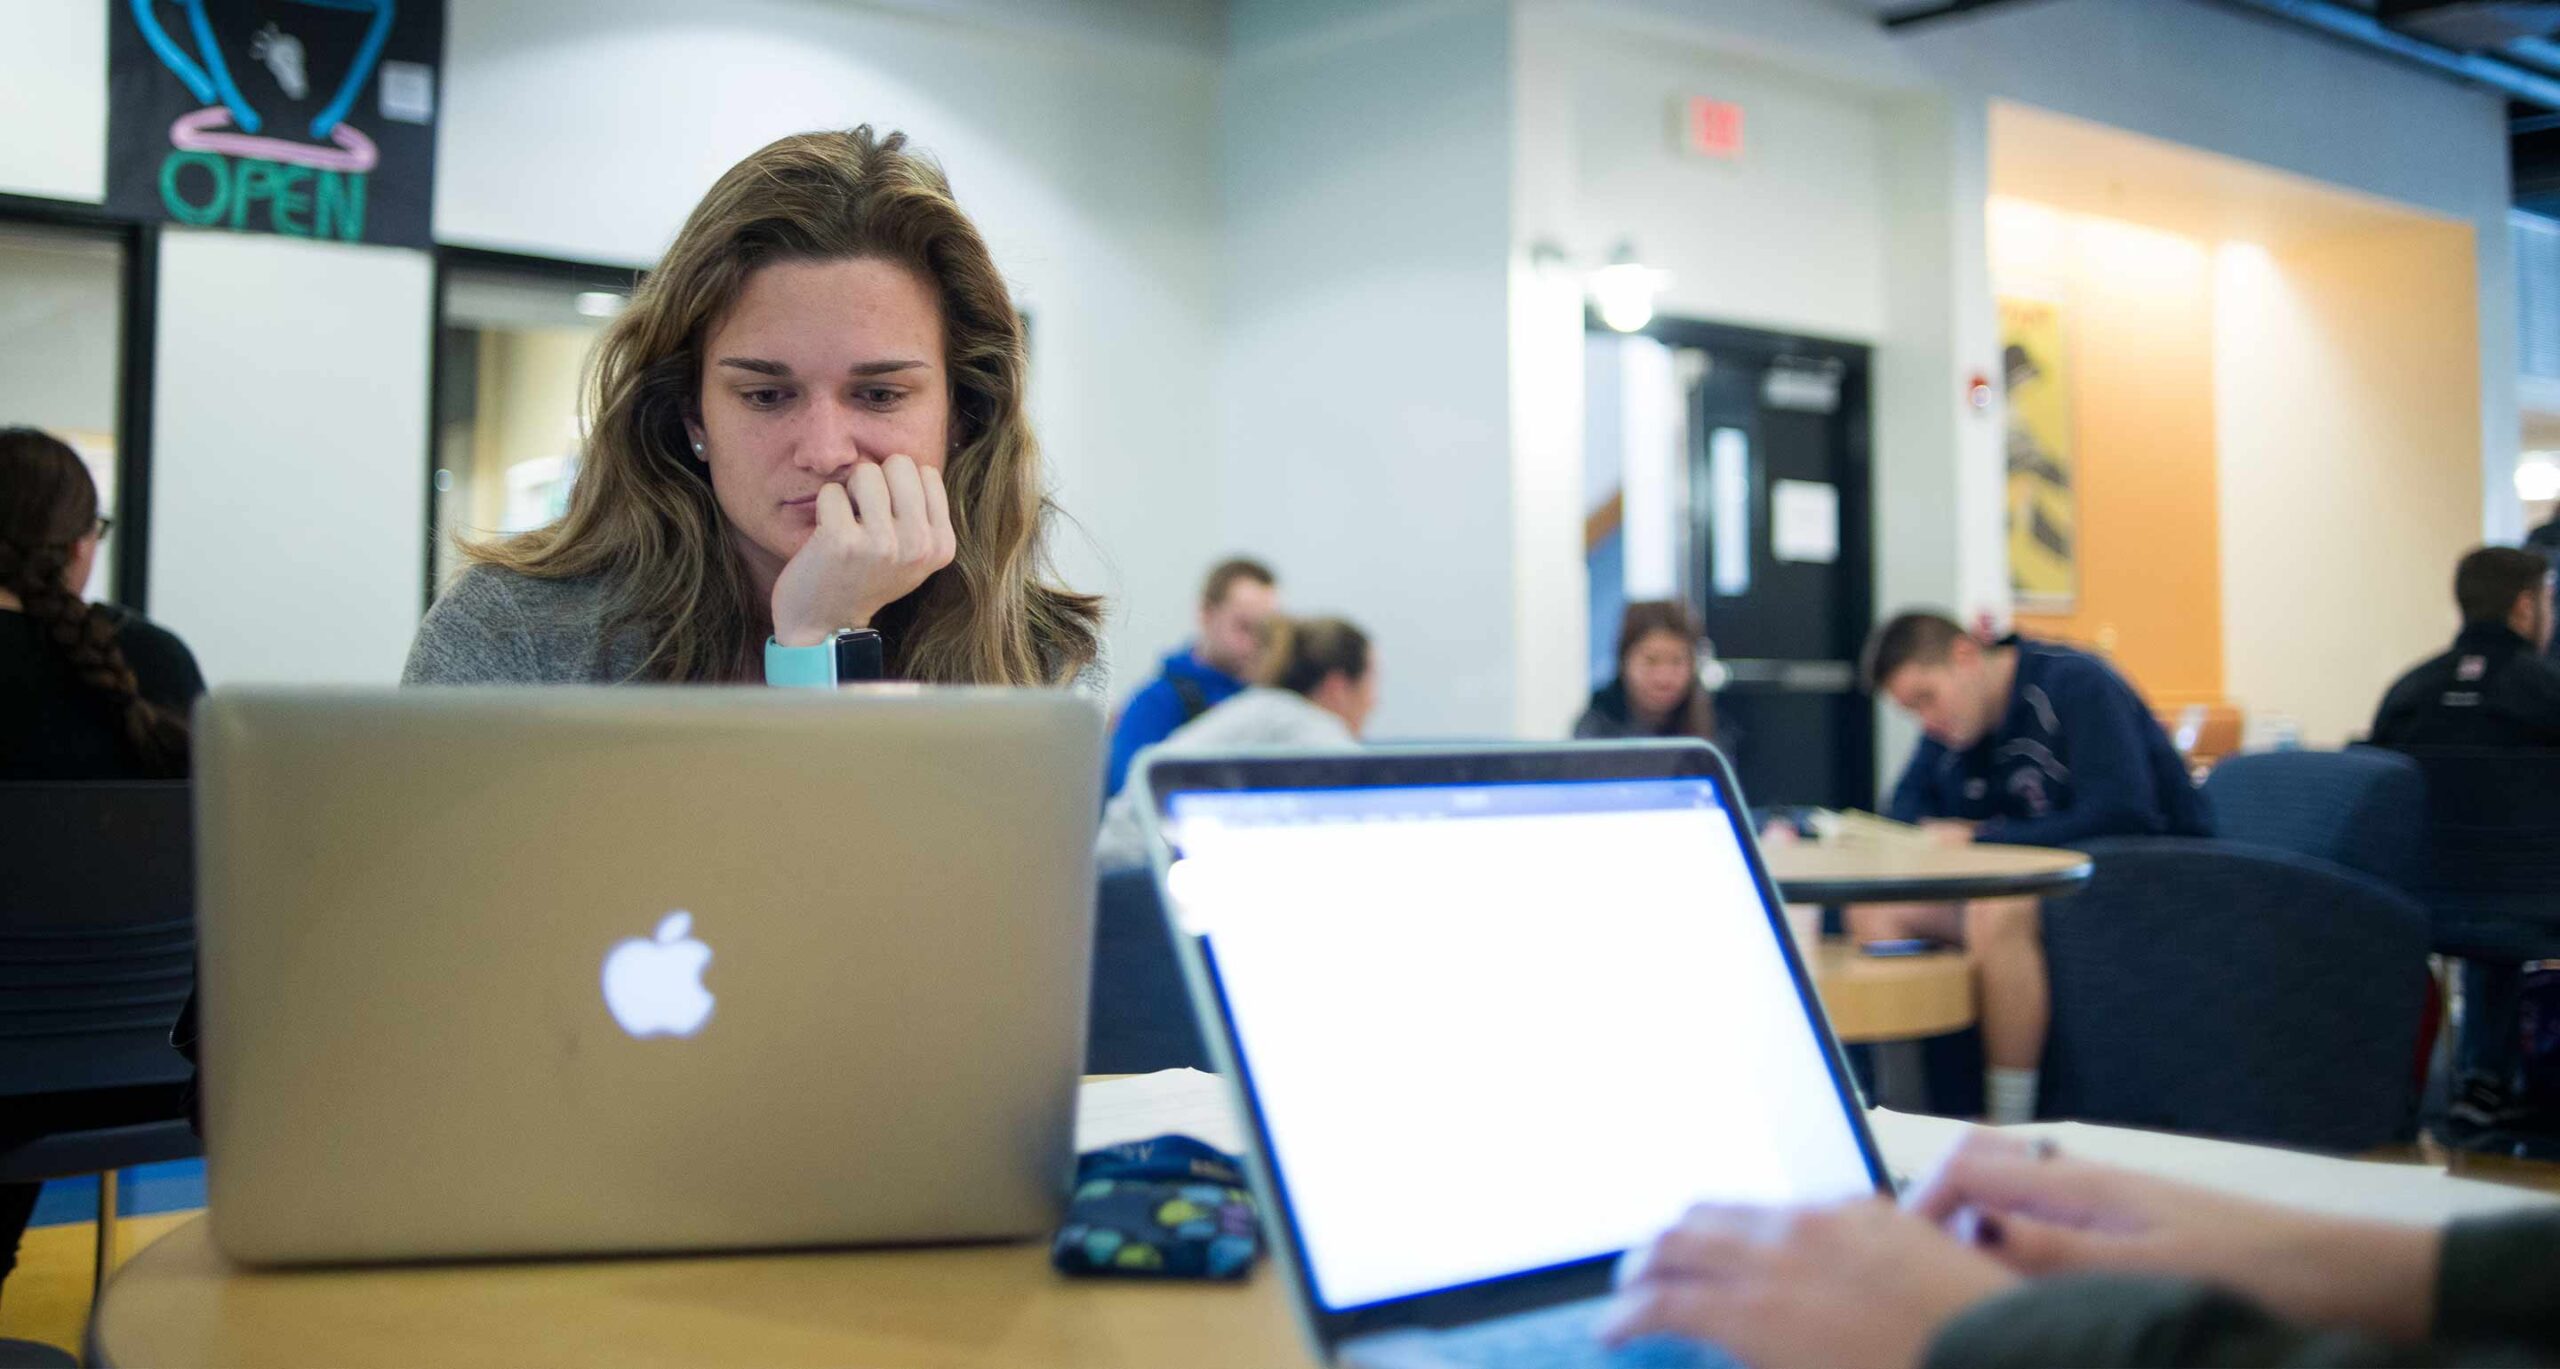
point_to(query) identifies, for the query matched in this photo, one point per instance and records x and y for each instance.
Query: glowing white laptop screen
(1497, 1028)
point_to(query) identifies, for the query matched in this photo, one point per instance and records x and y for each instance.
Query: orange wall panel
(2138, 315)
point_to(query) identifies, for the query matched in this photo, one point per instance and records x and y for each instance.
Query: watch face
(858, 655)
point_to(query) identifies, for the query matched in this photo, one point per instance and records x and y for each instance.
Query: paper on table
(2377, 1190)
(1144, 1106)
(1191, 1103)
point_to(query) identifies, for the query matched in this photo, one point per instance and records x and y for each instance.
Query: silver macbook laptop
(511, 972)
(1495, 1017)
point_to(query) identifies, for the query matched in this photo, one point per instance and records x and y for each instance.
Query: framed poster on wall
(2044, 545)
(307, 118)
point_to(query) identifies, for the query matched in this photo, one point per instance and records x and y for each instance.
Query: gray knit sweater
(493, 626)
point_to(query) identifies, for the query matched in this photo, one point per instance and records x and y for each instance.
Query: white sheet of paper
(2375, 1190)
(1804, 521)
(1143, 1106)
(1193, 1103)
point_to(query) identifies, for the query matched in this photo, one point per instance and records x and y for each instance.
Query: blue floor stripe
(172, 1187)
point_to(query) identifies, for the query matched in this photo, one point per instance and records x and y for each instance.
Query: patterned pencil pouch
(1169, 1208)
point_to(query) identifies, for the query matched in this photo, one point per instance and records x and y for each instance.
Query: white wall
(1790, 236)
(53, 98)
(2347, 493)
(1086, 152)
(1364, 399)
(288, 449)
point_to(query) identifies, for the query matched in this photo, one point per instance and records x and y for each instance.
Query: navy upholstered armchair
(2363, 808)
(2234, 990)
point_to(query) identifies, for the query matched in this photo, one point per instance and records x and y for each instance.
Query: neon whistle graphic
(229, 125)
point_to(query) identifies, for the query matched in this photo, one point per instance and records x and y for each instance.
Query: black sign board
(308, 118)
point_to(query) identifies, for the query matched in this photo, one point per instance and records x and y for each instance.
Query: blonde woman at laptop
(807, 459)
(1319, 684)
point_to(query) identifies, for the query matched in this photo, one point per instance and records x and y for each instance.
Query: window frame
(566, 272)
(137, 353)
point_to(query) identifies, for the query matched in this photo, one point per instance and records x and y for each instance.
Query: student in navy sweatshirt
(2026, 743)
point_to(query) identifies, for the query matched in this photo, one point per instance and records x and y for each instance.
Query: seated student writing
(2027, 743)
(808, 459)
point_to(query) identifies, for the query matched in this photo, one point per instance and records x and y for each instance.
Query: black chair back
(97, 934)
(1140, 1015)
(2491, 876)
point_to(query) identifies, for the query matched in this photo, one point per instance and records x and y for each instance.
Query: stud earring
(697, 449)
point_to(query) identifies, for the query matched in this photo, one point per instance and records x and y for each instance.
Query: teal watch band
(849, 655)
(800, 667)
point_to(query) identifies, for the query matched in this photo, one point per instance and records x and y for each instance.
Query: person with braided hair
(87, 692)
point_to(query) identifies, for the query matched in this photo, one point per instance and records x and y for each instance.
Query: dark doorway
(1777, 551)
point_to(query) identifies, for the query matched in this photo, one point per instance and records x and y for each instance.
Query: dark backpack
(1194, 703)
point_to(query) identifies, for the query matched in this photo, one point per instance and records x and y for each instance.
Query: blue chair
(2229, 990)
(97, 954)
(1139, 1013)
(2363, 808)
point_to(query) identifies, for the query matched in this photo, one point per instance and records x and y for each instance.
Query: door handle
(1796, 677)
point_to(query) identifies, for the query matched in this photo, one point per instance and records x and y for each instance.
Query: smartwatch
(849, 655)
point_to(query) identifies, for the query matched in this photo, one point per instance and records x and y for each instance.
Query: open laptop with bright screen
(1498, 1016)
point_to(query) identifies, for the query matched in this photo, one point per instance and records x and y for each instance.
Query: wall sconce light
(1624, 290)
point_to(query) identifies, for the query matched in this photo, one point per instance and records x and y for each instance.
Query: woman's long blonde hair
(642, 514)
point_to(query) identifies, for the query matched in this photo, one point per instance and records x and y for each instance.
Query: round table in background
(1891, 998)
(1876, 1000)
(1875, 872)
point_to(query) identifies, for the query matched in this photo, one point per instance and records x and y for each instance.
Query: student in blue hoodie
(1237, 604)
(2031, 744)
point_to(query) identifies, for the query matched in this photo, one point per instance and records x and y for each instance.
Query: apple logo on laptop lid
(654, 987)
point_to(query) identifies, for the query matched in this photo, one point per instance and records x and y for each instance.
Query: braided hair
(48, 504)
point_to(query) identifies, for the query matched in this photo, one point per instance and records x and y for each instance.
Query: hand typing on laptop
(2044, 1214)
(1852, 1284)
(1867, 1283)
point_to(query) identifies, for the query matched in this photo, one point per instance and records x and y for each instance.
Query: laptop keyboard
(1565, 1338)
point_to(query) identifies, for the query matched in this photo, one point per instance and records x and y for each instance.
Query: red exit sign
(1711, 128)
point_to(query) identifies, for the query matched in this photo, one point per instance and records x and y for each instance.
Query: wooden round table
(179, 1303)
(1874, 872)
(1891, 998)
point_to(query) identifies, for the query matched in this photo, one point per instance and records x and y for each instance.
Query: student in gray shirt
(808, 459)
